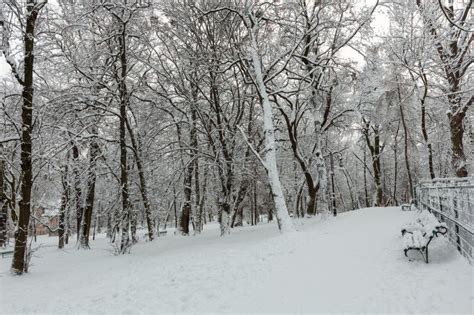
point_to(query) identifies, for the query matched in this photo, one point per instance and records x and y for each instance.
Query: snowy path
(352, 263)
(356, 264)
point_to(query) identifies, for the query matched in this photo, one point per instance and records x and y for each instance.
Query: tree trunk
(109, 227)
(126, 206)
(137, 149)
(311, 207)
(269, 158)
(133, 225)
(322, 185)
(96, 225)
(12, 203)
(202, 201)
(77, 188)
(255, 202)
(244, 184)
(395, 155)
(175, 208)
(377, 169)
(224, 201)
(405, 142)
(310, 182)
(64, 205)
(194, 145)
(375, 152)
(19, 263)
(350, 184)
(224, 216)
(197, 191)
(188, 174)
(94, 151)
(458, 159)
(225, 170)
(366, 190)
(237, 211)
(252, 205)
(186, 211)
(3, 201)
(423, 125)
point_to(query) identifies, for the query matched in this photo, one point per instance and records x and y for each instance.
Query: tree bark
(375, 152)
(405, 142)
(395, 156)
(188, 177)
(458, 160)
(12, 203)
(310, 182)
(423, 125)
(237, 215)
(64, 205)
(137, 149)
(3, 201)
(186, 211)
(269, 157)
(175, 208)
(202, 202)
(194, 147)
(94, 151)
(244, 184)
(189, 170)
(19, 263)
(77, 188)
(366, 190)
(377, 168)
(197, 192)
(126, 206)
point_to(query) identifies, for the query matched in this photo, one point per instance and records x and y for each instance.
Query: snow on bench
(419, 234)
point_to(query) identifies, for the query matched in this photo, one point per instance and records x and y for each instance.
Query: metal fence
(451, 200)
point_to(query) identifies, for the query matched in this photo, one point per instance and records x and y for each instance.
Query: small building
(46, 221)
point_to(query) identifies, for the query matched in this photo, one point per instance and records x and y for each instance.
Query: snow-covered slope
(352, 263)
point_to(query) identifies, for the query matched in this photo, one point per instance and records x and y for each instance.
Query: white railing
(451, 200)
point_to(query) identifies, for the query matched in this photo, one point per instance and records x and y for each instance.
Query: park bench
(6, 253)
(160, 233)
(419, 234)
(408, 206)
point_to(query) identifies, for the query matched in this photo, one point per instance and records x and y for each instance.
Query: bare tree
(452, 45)
(32, 10)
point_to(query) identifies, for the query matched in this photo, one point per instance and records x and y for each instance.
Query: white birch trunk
(269, 156)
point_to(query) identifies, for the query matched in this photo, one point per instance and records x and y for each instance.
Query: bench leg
(423, 251)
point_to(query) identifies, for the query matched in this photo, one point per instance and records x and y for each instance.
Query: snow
(414, 240)
(420, 230)
(352, 263)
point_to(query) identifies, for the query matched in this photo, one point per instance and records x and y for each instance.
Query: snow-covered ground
(353, 263)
